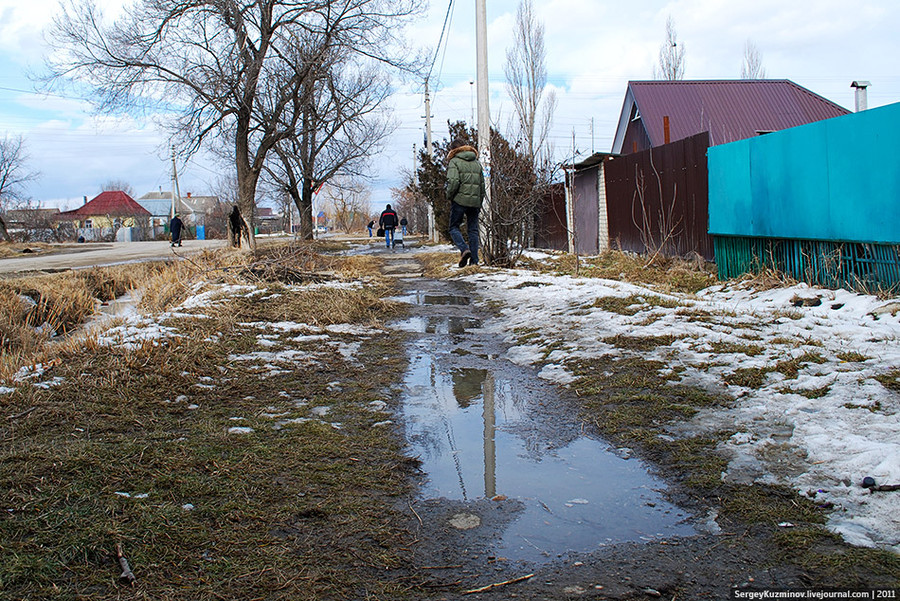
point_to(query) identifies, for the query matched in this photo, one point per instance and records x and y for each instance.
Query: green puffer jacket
(465, 180)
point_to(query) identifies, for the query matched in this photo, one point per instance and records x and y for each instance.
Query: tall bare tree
(341, 123)
(348, 201)
(14, 174)
(409, 201)
(118, 185)
(671, 55)
(752, 67)
(526, 83)
(220, 64)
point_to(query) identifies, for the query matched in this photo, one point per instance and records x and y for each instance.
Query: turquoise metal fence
(853, 265)
(820, 202)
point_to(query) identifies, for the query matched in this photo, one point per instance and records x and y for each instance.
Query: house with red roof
(107, 213)
(649, 194)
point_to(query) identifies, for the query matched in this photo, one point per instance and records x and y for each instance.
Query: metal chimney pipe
(861, 98)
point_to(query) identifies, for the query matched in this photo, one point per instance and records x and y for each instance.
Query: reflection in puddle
(421, 298)
(444, 299)
(440, 324)
(471, 431)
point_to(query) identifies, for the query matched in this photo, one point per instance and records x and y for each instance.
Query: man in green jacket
(465, 191)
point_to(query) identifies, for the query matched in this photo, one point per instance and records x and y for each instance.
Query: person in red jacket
(388, 221)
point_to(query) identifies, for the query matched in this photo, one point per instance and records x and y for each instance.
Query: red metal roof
(729, 109)
(114, 203)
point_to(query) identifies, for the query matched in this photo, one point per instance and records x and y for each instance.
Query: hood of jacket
(460, 152)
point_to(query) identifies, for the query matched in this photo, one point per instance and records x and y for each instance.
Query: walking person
(388, 221)
(175, 227)
(235, 226)
(465, 191)
(403, 224)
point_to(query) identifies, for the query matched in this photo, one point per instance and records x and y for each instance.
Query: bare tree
(752, 67)
(409, 201)
(14, 174)
(658, 225)
(526, 83)
(348, 198)
(671, 55)
(118, 185)
(341, 121)
(221, 64)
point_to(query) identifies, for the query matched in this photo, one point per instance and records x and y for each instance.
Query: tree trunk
(304, 205)
(247, 178)
(3, 230)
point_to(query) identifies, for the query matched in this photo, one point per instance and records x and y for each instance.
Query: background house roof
(158, 207)
(729, 110)
(114, 203)
(153, 202)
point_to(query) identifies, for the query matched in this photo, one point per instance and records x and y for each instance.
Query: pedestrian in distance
(175, 227)
(403, 224)
(388, 221)
(235, 226)
(370, 226)
(465, 191)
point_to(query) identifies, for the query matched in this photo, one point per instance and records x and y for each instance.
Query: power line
(440, 40)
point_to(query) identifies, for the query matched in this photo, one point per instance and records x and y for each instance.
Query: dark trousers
(457, 212)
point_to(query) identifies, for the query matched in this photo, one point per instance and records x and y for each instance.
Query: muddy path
(513, 484)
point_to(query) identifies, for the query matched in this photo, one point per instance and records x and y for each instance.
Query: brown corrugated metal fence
(550, 227)
(676, 221)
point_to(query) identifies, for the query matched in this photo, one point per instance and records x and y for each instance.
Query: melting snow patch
(353, 330)
(56, 381)
(239, 430)
(556, 373)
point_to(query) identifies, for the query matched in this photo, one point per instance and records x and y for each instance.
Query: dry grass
(308, 511)
(21, 249)
(34, 309)
(666, 274)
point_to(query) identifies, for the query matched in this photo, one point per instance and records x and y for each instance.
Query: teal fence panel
(835, 180)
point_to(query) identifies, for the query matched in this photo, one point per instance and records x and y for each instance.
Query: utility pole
(472, 102)
(432, 232)
(484, 120)
(176, 193)
(592, 135)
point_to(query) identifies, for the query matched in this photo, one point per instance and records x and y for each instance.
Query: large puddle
(474, 421)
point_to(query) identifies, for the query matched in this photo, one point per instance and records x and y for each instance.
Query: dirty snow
(822, 446)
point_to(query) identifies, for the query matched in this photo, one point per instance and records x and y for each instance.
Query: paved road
(90, 255)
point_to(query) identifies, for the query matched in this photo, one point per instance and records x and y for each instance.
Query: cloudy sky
(594, 47)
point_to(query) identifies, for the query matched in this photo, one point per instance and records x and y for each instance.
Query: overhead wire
(440, 40)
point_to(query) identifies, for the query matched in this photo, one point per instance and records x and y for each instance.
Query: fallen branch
(127, 575)
(497, 584)
(18, 415)
(886, 487)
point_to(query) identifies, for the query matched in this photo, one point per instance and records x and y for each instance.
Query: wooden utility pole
(432, 231)
(484, 120)
(176, 193)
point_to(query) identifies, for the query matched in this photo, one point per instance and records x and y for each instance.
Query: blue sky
(594, 48)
